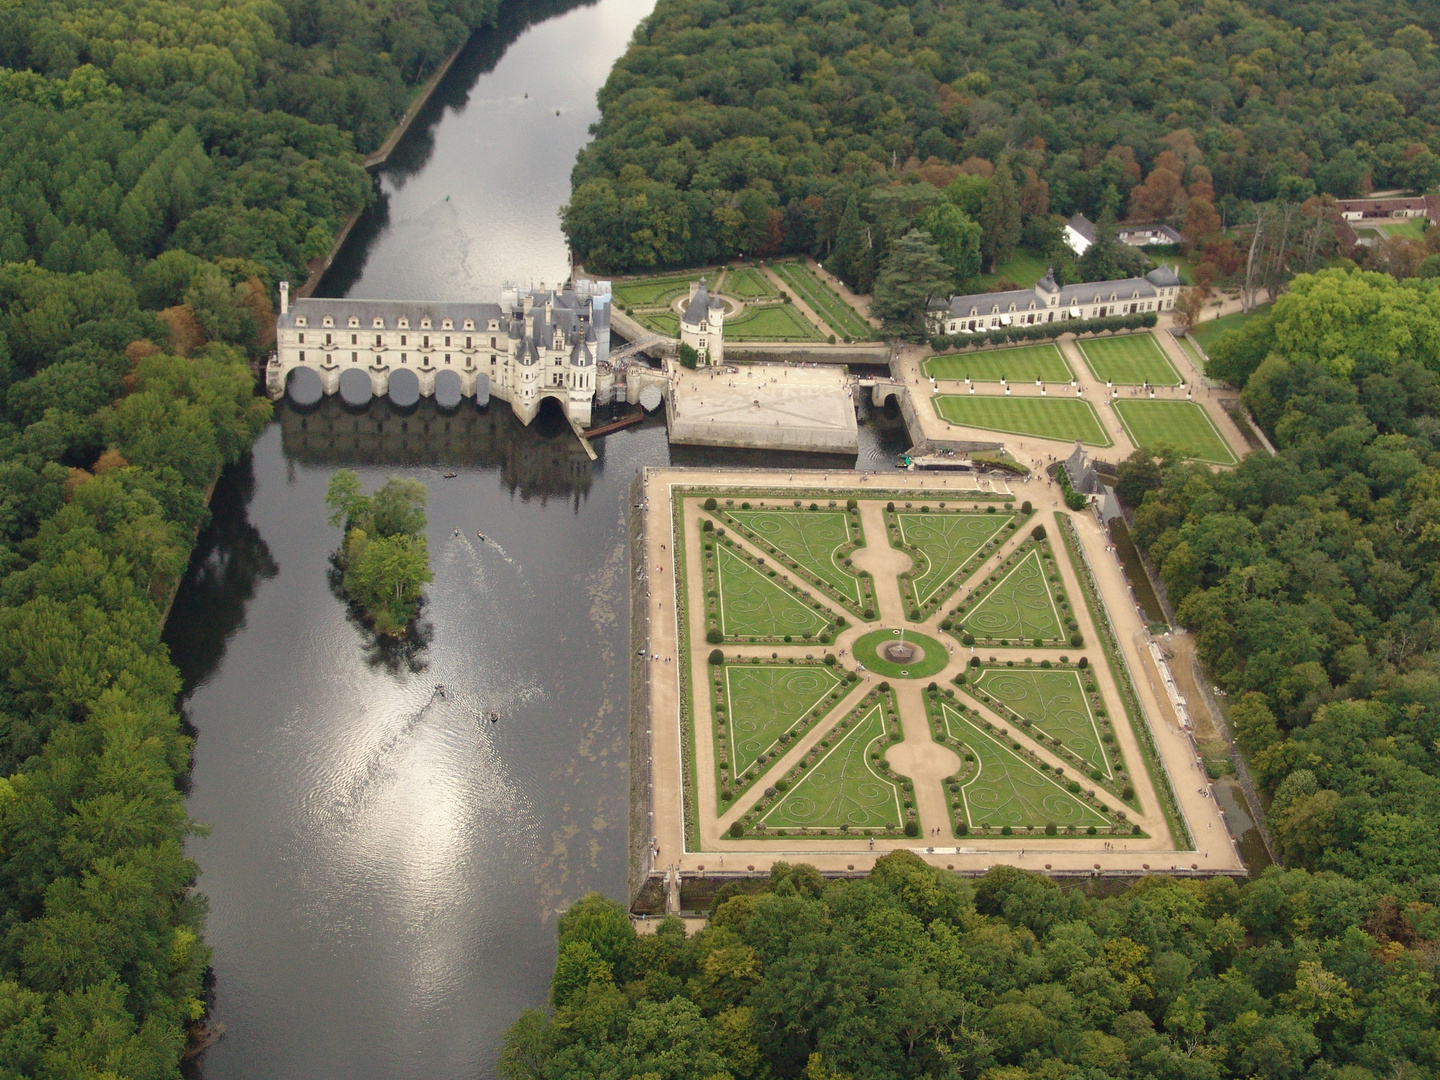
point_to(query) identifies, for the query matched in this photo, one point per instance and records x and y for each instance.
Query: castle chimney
(284, 298)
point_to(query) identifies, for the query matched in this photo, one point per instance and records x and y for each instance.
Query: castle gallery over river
(533, 344)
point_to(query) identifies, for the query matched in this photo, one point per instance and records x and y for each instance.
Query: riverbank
(378, 158)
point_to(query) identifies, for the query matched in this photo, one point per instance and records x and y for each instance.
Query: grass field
(662, 322)
(779, 323)
(825, 301)
(764, 702)
(813, 539)
(652, 292)
(1043, 362)
(1129, 361)
(1412, 229)
(1207, 333)
(747, 283)
(947, 543)
(1023, 269)
(1020, 607)
(1063, 419)
(751, 605)
(936, 656)
(843, 788)
(1183, 425)
(1054, 703)
(1005, 789)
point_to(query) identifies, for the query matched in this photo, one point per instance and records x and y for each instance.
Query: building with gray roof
(702, 325)
(1050, 302)
(533, 344)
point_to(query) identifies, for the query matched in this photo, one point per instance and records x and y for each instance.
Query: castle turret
(702, 325)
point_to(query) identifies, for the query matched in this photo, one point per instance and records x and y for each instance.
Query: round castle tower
(702, 326)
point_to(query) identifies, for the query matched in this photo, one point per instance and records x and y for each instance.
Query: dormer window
(354, 322)
(378, 324)
(469, 324)
(404, 324)
(447, 325)
(300, 320)
(424, 324)
(328, 321)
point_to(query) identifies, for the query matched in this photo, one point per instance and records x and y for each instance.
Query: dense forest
(833, 126)
(1310, 577)
(162, 166)
(912, 972)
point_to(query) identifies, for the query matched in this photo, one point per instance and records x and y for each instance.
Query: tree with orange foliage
(186, 334)
(1201, 222)
(1161, 195)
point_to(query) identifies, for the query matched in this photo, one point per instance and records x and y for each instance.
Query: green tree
(1107, 258)
(957, 238)
(1000, 217)
(849, 257)
(386, 577)
(913, 275)
(398, 508)
(1138, 473)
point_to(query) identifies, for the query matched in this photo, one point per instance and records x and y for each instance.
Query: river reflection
(544, 460)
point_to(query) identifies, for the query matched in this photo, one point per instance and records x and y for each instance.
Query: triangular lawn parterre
(761, 703)
(1054, 703)
(1006, 789)
(843, 787)
(751, 605)
(1020, 607)
(949, 546)
(813, 539)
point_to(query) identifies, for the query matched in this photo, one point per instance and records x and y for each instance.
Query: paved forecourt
(833, 746)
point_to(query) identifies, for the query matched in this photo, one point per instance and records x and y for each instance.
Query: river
(384, 862)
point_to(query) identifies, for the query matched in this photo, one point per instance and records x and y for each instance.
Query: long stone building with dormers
(534, 344)
(1050, 302)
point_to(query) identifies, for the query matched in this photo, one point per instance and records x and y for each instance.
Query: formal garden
(1055, 704)
(757, 308)
(817, 544)
(810, 662)
(825, 302)
(944, 545)
(1001, 788)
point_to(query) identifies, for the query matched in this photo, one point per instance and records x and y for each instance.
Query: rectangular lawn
(1065, 419)
(1183, 425)
(1022, 364)
(1129, 361)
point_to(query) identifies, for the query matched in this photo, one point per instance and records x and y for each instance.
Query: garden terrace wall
(1110, 644)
